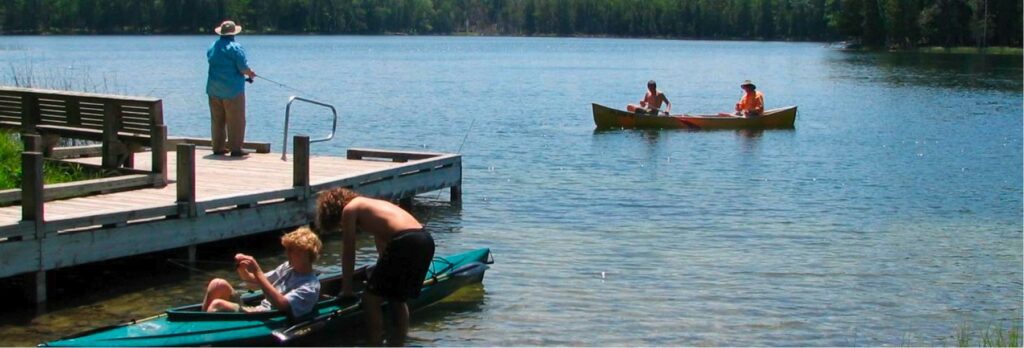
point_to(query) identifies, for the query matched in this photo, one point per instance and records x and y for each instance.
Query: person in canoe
(292, 287)
(752, 102)
(651, 104)
(404, 249)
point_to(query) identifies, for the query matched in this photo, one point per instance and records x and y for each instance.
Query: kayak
(606, 118)
(189, 326)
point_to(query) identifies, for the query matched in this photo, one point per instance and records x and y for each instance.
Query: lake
(890, 215)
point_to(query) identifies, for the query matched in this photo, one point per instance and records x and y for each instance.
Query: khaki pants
(227, 114)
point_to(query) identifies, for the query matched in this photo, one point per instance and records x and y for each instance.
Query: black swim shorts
(400, 272)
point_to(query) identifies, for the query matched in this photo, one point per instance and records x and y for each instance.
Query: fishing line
(190, 268)
(468, 131)
(288, 87)
(212, 262)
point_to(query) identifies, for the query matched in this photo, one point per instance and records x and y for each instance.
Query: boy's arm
(348, 248)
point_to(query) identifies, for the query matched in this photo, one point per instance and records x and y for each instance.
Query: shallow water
(891, 214)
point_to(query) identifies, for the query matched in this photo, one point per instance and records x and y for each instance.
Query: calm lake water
(891, 214)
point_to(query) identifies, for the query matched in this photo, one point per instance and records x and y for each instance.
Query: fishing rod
(193, 269)
(468, 130)
(282, 85)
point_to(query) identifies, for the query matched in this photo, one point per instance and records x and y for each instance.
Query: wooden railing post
(300, 176)
(33, 142)
(186, 180)
(29, 112)
(158, 139)
(32, 187)
(111, 122)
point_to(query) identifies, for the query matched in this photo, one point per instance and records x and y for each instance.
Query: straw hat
(228, 28)
(747, 83)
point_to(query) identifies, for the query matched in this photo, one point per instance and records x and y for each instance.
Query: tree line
(876, 23)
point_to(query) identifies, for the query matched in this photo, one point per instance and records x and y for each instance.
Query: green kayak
(188, 326)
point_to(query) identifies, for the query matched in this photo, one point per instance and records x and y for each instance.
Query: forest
(871, 23)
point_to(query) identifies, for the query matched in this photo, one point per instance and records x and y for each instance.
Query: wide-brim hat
(228, 28)
(747, 83)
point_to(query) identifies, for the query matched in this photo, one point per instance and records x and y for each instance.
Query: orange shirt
(753, 102)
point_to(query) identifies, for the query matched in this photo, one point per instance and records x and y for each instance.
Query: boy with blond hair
(292, 287)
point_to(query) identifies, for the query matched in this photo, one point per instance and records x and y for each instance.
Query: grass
(53, 173)
(64, 78)
(993, 336)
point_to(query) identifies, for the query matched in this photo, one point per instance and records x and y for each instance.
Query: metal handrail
(287, 116)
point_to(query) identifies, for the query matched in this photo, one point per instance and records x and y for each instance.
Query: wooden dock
(212, 198)
(166, 193)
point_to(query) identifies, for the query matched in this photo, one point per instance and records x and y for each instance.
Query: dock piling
(456, 194)
(32, 209)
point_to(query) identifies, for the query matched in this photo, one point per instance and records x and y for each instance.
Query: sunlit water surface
(891, 214)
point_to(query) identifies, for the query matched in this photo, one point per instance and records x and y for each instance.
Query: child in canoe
(292, 287)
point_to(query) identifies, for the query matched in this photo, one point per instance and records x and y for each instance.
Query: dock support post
(40, 283)
(192, 255)
(456, 194)
(32, 210)
(186, 180)
(159, 136)
(300, 174)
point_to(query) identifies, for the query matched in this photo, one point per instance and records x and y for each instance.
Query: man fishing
(405, 251)
(225, 86)
(651, 104)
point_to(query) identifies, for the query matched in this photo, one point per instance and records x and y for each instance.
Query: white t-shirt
(301, 290)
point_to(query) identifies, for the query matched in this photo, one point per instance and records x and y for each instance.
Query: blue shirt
(227, 62)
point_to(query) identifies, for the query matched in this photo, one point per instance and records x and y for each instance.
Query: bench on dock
(123, 125)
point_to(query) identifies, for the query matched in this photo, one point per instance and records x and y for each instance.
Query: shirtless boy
(404, 251)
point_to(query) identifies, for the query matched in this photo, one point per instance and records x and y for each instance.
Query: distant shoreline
(993, 50)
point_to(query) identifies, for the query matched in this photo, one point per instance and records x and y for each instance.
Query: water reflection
(953, 71)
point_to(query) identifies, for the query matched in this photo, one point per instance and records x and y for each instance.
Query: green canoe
(188, 326)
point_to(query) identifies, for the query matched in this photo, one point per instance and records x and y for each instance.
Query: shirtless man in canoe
(651, 104)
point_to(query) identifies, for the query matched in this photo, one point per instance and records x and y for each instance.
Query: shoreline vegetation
(989, 50)
(28, 76)
(53, 173)
(865, 24)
